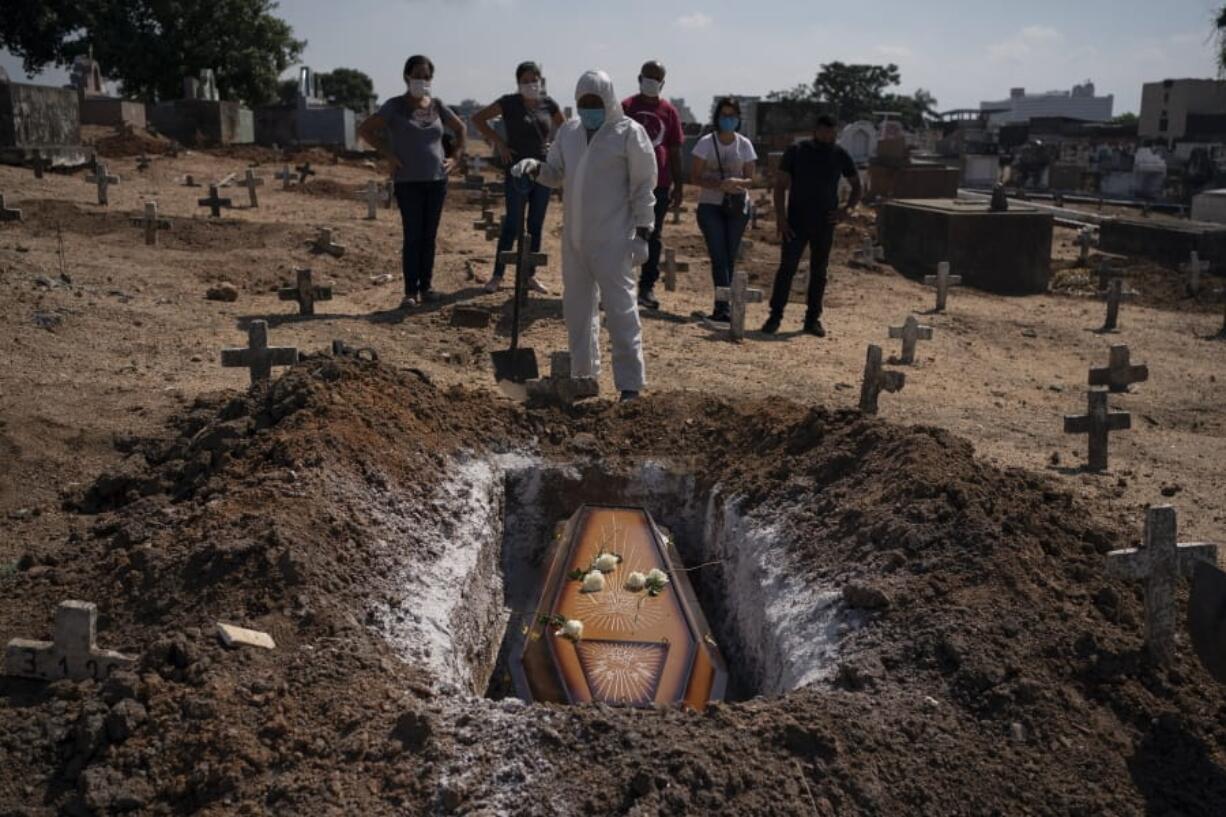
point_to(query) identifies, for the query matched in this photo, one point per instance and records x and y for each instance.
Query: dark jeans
(819, 237)
(537, 199)
(651, 270)
(421, 208)
(723, 235)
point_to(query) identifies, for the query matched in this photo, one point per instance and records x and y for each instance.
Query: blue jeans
(723, 235)
(538, 202)
(421, 208)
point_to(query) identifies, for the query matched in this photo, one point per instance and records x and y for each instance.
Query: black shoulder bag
(734, 204)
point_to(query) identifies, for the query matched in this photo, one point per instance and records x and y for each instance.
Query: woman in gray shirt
(408, 130)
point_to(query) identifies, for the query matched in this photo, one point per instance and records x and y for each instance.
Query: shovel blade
(516, 365)
(1207, 618)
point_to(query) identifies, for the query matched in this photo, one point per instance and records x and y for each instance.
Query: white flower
(657, 577)
(635, 582)
(606, 562)
(572, 629)
(593, 582)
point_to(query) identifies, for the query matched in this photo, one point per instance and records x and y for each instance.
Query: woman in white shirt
(722, 164)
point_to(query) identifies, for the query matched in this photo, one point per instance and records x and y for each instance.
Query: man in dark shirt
(806, 210)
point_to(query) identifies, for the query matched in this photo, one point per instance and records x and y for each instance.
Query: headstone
(1160, 561)
(1098, 422)
(1120, 373)
(304, 170)
(738, 296)
(305, 292)
(259, 357)
(1194, 269)
(677, 211)
(910, 332)
(214, 202)
(7, 214)
(671, 267)
(103, 180)
(323, 243)
(151, 223)
(251, 182)
(190, 181)
(285, 175)
(72, 653)
(371, 195)
(942, 281)
(877, 380)
(1114, 295)
(1085, 239)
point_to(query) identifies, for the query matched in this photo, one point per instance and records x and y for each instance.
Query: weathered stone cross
(1105, 274)
(493, 230)
(942, 281)
(1085, 239)
(323, 243)
(1195, 267)
(877, 380)
(532, 260)
(190, 181)
(103, 180)
(739, 296)
(73, 653)
(1120, 373)
(487, 218)
(671, 267)
(251, 182)
(305, 292)
(1114, 294)
(259, 357)
(371, 194)
(910, 332)
(285, 175)
(304, 170)
(1160, 561)
(151, 223)
(214, 202)
(1098, 422)
(7, 214)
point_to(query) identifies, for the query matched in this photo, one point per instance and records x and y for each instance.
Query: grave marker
(493, 230)
(1119, 373)
(1085, 239)
(910, 332)
(323, 243)
(1105, 274)
(190, 181)
(226, 180)
(1114, 294)
(103, 180)
(671, 267)
(739, 295)
(1194, 268)
(877, 380)
(305, 292)
(1098, 422)
(39, 163)
(487, 218)
(560, 387)
(942, 281)
(251, 182)
(371, 194)
(259, 357)
(304, 170)
(532, 260)
(72, 653)
(7, 214)
(214, 202)
(1160, 561)
(285, 176)
(151, 223)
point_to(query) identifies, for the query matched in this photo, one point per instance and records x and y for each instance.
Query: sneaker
(429, 296)
(815, 328)
(628, 395)
(771, 326)
(648, 301)
(493, 284)
(408, 302)
(537, 287)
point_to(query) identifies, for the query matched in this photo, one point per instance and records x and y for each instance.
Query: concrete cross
(190, 181)
(671, 267)
(259, 357)
(493, 230)
(304, 170)
(1195, 267)
(877, 380)
(1120, 373)
(151, 223)
(910, 332)
(738, 296)
(323, 243)
(6, 214)
(1105, 274)
(474, 181)
(746, 246)
(677, 211)
(72, 653)
(305, 292)
(1085, 239)
(389, 192)
(371, 194)
(1098, 422)
(1160, 561)
(285, 176)
(531, 261)
(251, 182)
(103, 180)
(1114, 294)
(39, 163)
(487, 218)
(485, 200)
(214, 202)
(226, 180)
(942, 281)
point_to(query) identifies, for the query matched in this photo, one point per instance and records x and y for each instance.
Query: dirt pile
(997, 671)
(129, 141)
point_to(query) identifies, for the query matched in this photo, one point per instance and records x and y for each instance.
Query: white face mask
(530, 90)
(419, 87)
(650, 87)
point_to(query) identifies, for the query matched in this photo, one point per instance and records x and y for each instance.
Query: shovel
(1207, 618)
(515, 364)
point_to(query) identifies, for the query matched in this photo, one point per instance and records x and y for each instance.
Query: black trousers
(819, 238)
(421, 209)
(651, 270)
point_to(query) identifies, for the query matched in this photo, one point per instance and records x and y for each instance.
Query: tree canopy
(348, 87)
(149, 46)
(852, 92)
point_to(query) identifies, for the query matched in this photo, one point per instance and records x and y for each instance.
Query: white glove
(639, 252)
(526, 167)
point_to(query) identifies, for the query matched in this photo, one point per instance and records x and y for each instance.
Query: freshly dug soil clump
(996, 672)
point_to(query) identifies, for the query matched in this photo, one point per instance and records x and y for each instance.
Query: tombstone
(323, 243)
(214, 202)
(1160, 562)
(1098, 422)
(677, 211)
(190, 181)
(1119, 373)
(1085, 240)
(1194, 268)
(285, 175)
(251, 182)
(671, 267)
(304, 170)
(738, 296)
(877, 380)
(72, 653)
(942, 281)
(259, 357)
(371, 194)
(305, 292)
(103, 181)
(910, 332)
(1114, 295)
(7, 214)
(151, 223)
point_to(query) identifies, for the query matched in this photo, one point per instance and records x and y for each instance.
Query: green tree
(853, 91)
(287, 91)
(1124, 119)
(149, 46)
(348, 87)
(913, 111)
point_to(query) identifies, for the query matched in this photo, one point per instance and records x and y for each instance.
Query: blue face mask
(727, 124)
(592, 118)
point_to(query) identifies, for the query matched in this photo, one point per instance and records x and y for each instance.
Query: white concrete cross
(1098, 422)
(942, 281)
(323, 243)
(1194, 269)
(151, 223)
(671, 267)
(7, 214)
(738, 296)
(1115, 294)
(1119, 373)
(251, 182)
(371, 194)
(73, 653)
(103, 180)
(305, 292)
(877, 380)
(259, 357)
(1160, 561)
(910, 332)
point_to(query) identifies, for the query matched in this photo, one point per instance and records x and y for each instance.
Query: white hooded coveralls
(610, 183)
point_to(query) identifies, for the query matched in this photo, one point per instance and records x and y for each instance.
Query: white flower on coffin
(635, 582)
(606, 562)
(656, 581)
(593, 582)
(572, 629)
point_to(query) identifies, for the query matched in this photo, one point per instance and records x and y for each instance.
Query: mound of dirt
(996, 671)
(1154, 285)
(129, 141)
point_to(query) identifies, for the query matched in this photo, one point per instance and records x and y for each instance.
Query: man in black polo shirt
(807, 191)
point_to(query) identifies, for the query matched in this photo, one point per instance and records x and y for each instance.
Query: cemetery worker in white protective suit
(608, 166)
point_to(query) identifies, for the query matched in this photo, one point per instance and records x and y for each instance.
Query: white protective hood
(600, 84)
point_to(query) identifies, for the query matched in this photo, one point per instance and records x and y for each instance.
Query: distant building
(1183, 108)
(683, 110)
(1079, 103)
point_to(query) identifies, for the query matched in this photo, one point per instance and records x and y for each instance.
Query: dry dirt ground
(999, 614)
